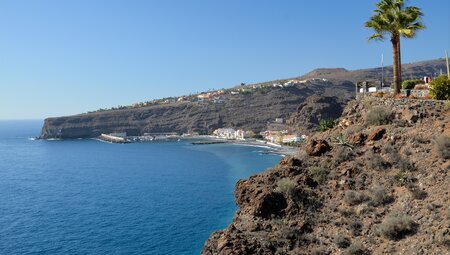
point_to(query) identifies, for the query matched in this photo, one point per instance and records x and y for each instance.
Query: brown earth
(387, 195)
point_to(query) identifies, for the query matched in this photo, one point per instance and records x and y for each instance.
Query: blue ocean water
(90, 197)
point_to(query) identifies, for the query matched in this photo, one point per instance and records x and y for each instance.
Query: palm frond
(376, 36)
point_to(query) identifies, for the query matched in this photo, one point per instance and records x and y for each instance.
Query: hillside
(376, 184)
(411, 70)
(249, 107)
(250, 111)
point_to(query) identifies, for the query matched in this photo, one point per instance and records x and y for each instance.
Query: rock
(259, 201)
(357, 139)
(376, 134)
(317, 147)
(290, 161)
(410, 116)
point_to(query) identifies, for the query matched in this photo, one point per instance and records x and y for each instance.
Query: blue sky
(67, 57)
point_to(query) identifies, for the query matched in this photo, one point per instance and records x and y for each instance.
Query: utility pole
(382, 71)
(448, 68)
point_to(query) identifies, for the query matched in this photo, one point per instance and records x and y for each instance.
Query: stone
(317, 147)
(357, 139)
(376, 134)
(410, 116)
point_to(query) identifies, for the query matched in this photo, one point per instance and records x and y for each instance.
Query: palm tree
(393, 18)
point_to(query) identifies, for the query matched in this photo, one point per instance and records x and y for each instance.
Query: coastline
(273, 148)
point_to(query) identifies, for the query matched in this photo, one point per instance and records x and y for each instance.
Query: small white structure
(292, 138)
(279, 120)
(217, 100)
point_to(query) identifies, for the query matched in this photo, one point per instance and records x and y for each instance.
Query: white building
(231, 133)
(292, 138)
(279, 120)
(226, 133)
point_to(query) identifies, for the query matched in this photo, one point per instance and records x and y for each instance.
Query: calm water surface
(90, 197)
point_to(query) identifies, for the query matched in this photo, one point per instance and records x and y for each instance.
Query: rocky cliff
(302, 105)
(250, 111)
(376, 184)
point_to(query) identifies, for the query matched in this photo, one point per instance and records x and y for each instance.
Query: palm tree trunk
(399, 65)
(396, 63)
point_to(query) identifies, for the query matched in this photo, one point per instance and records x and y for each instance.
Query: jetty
(114, 138)
(207, 142)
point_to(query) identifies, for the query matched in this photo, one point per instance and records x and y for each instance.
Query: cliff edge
(378, 183)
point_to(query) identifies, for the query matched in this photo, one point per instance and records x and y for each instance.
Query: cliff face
(247, 111)
(376, 184)
(303, 105)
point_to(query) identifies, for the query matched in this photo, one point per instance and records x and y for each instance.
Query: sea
(91, 197)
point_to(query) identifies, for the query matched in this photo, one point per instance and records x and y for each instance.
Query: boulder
(317, 147)
(357, 139)
(376, 134)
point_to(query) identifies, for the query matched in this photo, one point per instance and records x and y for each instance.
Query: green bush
(285, 186)
(396, 227)
(440, 88)
(409, 84)
(318, 174)
(378, 116)
(326, 124)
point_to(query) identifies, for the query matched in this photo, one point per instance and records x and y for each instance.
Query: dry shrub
(421, 87)
(442, 145)
(353, 197)
(342, 241)
(375, 161)
(318, 174)
(380, 196)
(427, 96)
(397, 227)
(379, 115)
(342, 154)
(355, 248)
(416, 192)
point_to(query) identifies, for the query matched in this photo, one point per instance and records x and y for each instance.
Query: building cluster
(371, 86)
(291, 83)
(281, 137)
(232, 134)
(274, 135)
(218, 96)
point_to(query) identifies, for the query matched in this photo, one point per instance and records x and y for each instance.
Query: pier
(114, 138)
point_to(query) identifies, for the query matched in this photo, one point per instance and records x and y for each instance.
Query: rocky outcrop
(317, 107)
(375, 190)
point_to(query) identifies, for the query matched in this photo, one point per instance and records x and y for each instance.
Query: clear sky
(67, 57)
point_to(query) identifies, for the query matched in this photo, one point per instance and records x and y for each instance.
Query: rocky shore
(378, 183)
